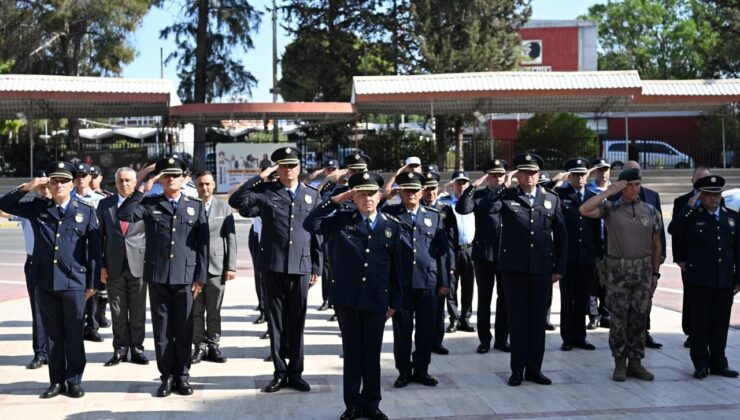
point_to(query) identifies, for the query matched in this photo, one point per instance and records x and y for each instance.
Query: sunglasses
(289, 165)
(57, 181)
(171, 176)
(410, 191)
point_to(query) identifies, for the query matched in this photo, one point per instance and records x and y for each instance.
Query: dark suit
(464, 277)
(221, 258)
(123, 258)
(710, 249)
(425, 254)
(365, 285)
(584, 240)
(176, 256)
(485, 257)
(288, 255)
(66, 261)
(534, 246)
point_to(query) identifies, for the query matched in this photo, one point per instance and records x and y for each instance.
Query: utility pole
(275, 90)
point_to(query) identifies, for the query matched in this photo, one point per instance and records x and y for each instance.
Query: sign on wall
(532, 51)
(238, 161)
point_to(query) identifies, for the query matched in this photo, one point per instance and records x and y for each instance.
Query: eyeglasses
(56, 181)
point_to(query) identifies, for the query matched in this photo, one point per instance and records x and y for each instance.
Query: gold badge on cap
(60, 166)
(411, 175)
(307, 198)
(79, 218)
(191, 211)
(548, 204)
(287, 150)
(528, 158)
(366, 176)
(171, 161)
(427, 222)
(388, 232)
(429, 176)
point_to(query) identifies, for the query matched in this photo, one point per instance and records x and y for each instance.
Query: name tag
(157, 212)
(514, 203)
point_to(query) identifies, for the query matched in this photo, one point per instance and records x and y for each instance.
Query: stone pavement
(471, 385)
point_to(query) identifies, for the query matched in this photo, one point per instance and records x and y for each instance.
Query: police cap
(528, 162)
(496, 166)
(630, 175)
(710, 184)
(357, 162)
(366, 181)
(286, 156)
(577, 166)
(410, 181)
(60, 169)
(431, 179)
(171, 165)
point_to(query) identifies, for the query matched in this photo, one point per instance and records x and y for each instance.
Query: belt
(464, 247)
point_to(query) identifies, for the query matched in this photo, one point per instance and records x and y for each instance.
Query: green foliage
(207, 34)
(557, 137)
(710, 138)
(662, 39)
(724, 17)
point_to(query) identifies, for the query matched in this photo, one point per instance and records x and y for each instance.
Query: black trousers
(253, 245)
(485, 277)
(527, 296)
(686, 310)
(710, 320)
(419, 307)
(439, 333)
(172, 323)
(62, 314)
(464, 280)
(127, 296)
(362, 340)
(574, 293)
(326, 271)
(40, 340)
(286, 315)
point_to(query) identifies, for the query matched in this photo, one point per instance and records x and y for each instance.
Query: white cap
(413, 160)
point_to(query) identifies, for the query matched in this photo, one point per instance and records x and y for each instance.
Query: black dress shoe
(687, 343)
(482, 348)
(515, 379)
(265, 336)
(75, 390)
(701, 373)
(452, 327)
(105, 323)
(549, 327)
(585, 345)
(299, 384)
(198, 355)
(165, 388)
(116, 359)
(440, 350)
(504, 347)
(593, 323)
(92, 335)
(36, 363)
(214, 355)
(260, 319)
(425, 379)
(333, 318)
(464, 326)
(324, 306)
(725, 371)
(566, 347)
(376, 415)
(276, 384)
(351, 414)
(650, 343)
(402, 380)
(182, 386)
(53, 390)
(538, 378)
(268, 358)
(139, 359)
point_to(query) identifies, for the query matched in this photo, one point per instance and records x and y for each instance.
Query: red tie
(124, 227)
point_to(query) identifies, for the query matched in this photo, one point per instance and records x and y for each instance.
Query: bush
(557, 137)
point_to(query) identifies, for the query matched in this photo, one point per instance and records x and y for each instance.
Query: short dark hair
(204, 173)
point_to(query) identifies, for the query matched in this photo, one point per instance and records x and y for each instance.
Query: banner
(238, 161)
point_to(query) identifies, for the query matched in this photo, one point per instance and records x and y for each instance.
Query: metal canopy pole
(724, 152)
(627, 133)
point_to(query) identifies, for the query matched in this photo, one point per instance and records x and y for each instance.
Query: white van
(651, 154)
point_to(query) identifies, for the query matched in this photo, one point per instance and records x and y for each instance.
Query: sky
(148, 44)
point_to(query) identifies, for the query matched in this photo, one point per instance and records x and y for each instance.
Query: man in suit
(485, 253)
(175, 266)
(289, 256)
(66, 266)
(365, 289)
(326, 276)
(678, 204)
(221, 269)
(707, 237)
(123, 270)
(532, 256)
(583, 244)
(425, 254)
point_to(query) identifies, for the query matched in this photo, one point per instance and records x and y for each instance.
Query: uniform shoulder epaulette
(78, 200)
(195, 198)
(390, 217)
(430, 208)
(311, 187)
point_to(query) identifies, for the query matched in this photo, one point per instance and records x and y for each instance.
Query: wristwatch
(656, 275)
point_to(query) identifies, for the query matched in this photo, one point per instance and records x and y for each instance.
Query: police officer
(707, 237)
(424, 253)
(583, 245)
(66, 266)
(96, 178)
(532, 256)
(366, 287)
(598, 312)
(485, 253)
(326, 276)
(290, 257)
(176, 266)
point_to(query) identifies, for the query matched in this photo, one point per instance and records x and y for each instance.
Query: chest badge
(191, 211)
(427, 222)
(307, 198)
(388, 232)
(548, 204)
(644, 220)
(79, 218)
(731, 222)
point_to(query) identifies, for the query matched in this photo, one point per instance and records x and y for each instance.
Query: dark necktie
(174, 204)
(291, 194)
(61, 212)
(369, 224)
(716, 216)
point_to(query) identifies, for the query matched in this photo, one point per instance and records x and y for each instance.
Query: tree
(207, 35)
(557, 137)
(466, 36)
(661, 39)
(724, 17)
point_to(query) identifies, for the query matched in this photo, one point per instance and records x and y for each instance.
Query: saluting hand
(36, 182)
(616, 188)
(693, 199)
(478, 182)
(267, 171)
(334, 176)
(196, 289)
(341, 198)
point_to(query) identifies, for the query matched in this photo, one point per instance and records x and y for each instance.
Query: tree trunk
(459, 153)
(440, 129)
(201, 82)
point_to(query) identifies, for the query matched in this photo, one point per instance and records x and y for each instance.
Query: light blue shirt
(91, 197)
(27, 233)
(373, 220)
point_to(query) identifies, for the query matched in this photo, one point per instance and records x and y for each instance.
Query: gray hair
(125, 169)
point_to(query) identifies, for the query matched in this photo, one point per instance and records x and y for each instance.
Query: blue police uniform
(176, 256)
(66, 262)
(288, 256)
(533, 247)
(709, 245)
(485, 257)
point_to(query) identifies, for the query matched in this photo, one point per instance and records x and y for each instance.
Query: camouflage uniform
(628, 298)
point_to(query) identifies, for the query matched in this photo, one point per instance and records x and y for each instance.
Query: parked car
(650, 153)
